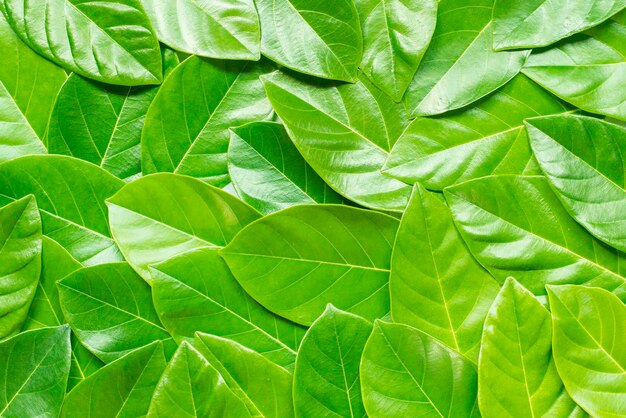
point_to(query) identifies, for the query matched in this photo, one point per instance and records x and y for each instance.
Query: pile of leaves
(333, 208)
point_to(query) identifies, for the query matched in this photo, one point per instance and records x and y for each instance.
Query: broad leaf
(435, 284)
(269, 173)
(515, 226)
(587, 70)
(461, 49)
(583, 159)
(296, 261)
(196, 291)
(186, 129)
(109, 307)
(35, 365)
(227, 29)
(406, 373)
(483, 139)
(262, 386)
(588, 343)
(121, 389)
(345, 132)
(326, 379)
(396, 34)
(163, 215)
(321, 38)
(70, 194)
(517, 376)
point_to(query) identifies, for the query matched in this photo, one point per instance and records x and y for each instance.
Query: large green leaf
(20, 262)
(461, 49)
(345, 131)
(122, 389)
(326, 379)
(196, 291)
(406, 373)
(163, 215)
(262, 386)
(396, 34)
(269, 173)
(107, 40)
(227, 29)
(70, 194)
(584, 159)
(483, 139)
(318, 38)
(296, 261)
(186, 129)
(35, 365)
(588, 343)
(517, 376)
(109, 307)
(515, 226)
(435, 284)
(587, 70)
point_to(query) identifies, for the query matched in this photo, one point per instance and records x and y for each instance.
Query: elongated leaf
(269, 173)
(326, 380)
(227, 29)
(196, 291)
(483, 139)
(262, 386)
(396, 34)
(435, 284)
(87, 37)
(296, 261)
(587, 70)
(461, 49)
(190, 387)
(517, 376)
(34, 365)
(120, 389)
(589, 337)
(515, 226)
(160, 216)
(186, 130)
(321, 39)
(583, 159)
(404, 372)
(345, 132)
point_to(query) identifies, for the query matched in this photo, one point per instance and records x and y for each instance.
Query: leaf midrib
(304, 260)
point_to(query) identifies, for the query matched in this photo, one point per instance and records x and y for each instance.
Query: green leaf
(588, 343)
(583, 159)
(406, 373)
(70, 194)
(326, 380)
(435, 284)
(269, 173)
(186, 129)
(163, 215)
(108, 40)
(227, 29)
(121, 389)
(396, 34)
(461, 49)
(483, 139)
(196, 291)
(262, 386)
(321, 38)
(515, 226)
(345, 131)
(296, 261)
(34, 365)
(191, 387)
(517, 376)
(587, 70)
